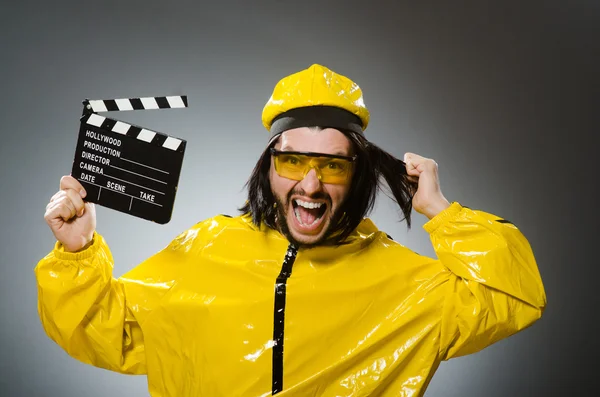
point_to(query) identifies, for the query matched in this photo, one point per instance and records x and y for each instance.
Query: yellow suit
(229, 309)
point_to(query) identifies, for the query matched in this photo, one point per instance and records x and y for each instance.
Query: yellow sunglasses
(330, 168)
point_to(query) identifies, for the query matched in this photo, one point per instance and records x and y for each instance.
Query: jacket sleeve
(86, 311)
(494, 289)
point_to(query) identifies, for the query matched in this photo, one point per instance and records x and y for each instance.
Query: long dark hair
(375, 170)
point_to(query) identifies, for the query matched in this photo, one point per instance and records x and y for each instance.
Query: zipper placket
(279, 317)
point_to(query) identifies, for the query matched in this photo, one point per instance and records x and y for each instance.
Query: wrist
(85, 251)
(449, 213)
(76, 250)
(435, 208)
(84, 244)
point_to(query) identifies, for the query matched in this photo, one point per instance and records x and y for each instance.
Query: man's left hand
(428, 199)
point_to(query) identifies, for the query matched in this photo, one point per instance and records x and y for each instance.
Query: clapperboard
(125, 167)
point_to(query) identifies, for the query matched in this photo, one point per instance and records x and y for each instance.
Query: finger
(413, 157)
(66, 212)
(76, 201)
(60, 209)
(68, 182)
(411, 169)
(412, 162)
(427, 165)
(414, 173)
(419, 162)
(416, 159)
(68, 204)
(63, 201)
(57, 195)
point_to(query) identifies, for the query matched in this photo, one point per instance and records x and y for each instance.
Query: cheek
(338, 193)
(279, 185)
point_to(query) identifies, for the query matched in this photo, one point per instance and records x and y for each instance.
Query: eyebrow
(336, 153)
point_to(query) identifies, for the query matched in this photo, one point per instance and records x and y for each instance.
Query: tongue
(308, 215)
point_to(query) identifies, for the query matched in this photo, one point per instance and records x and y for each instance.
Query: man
(301, 295)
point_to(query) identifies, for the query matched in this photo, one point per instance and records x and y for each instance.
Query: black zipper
(279, 317)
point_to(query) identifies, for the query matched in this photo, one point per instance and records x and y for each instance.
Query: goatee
(282, 221)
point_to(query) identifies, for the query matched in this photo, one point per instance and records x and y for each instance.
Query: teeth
(306, 204)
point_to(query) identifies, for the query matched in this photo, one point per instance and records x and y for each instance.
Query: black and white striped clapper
(125, 167)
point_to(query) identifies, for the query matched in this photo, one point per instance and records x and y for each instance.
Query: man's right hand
(72, 221)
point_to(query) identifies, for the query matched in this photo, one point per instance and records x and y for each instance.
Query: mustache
(320, 195)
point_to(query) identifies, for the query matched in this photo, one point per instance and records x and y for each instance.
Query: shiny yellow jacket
(229, 309)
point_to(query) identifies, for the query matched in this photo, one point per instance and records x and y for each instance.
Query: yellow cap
(315, 86)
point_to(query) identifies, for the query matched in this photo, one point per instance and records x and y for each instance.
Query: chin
(299, 236)
(307, 240)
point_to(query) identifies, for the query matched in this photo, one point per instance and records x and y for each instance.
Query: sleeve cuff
(60, 253)
(442, 217)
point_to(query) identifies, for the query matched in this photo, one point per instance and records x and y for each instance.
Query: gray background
(500, 95)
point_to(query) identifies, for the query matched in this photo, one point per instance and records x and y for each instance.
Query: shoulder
(223, 221)
(209, 229)
(383, 244)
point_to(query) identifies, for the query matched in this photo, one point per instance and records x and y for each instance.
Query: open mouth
(308, 214)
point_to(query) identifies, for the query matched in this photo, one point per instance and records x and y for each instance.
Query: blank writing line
(123, 169)
(123, 180)
(116, 191)
(144, 165)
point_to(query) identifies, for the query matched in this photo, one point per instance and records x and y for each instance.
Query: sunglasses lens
(290, 166)
(296, 166)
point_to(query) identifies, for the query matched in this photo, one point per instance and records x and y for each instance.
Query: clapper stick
(126, 167)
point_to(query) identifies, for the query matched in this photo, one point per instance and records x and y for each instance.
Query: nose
(311, 183)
